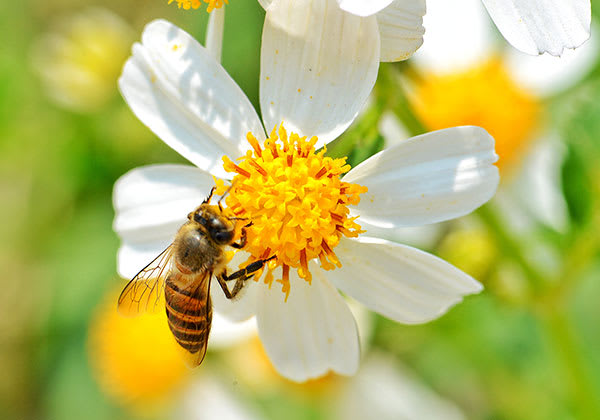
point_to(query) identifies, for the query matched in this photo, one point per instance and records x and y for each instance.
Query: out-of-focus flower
(470, 249)
(195, 4)
(316, 85)
(80, 61)
(136, 360)
(532, 26)
(459, 36)
(485, 96)
(383, 390)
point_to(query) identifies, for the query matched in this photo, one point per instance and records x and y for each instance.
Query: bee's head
(212, 220)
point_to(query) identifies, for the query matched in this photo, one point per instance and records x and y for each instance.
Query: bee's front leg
(240, 277)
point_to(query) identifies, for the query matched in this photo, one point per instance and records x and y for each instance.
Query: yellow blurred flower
(472, 250)
(136, 360)
(80, 61)
(485, 96)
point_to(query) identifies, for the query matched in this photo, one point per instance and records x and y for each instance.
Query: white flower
(315, 82)
(532, 26)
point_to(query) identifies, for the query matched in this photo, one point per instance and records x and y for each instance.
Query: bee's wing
(197, 303)
(145, 291)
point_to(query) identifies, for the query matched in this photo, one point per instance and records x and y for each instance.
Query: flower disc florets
(296, 201)
(195, 4)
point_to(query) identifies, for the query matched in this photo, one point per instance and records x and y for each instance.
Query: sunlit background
(527, 348)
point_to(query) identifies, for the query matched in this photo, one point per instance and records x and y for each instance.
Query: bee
(183, 273)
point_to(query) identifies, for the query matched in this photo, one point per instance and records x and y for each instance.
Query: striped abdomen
(189, 312)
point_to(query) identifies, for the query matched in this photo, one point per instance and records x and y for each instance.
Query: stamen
(296, 201)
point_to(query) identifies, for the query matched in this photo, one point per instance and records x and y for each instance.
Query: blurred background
(527, 348)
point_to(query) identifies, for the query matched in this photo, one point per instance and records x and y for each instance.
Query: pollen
(195, 4)
(296, 201)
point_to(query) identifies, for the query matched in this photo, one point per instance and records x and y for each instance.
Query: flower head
(315, 82)
(296, 201)
(136, 360)
(195, 4)
(80, 61)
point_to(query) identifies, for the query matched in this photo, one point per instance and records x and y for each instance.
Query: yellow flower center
(195, 4)
(296, 201)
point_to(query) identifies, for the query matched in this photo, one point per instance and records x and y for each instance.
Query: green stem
(390, 93)
(581, 388)
(510, 245)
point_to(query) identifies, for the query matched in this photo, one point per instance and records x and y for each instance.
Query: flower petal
(151, 203)
(427, 179)
(265, 3)
(310, 334)
(185, 97)
(363, 7)
(401, 29)
(318, 66)
(539, 26)
(399, 282)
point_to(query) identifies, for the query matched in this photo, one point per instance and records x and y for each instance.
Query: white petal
(185, 97)
(363, 7)
(214, 33)
(318, 66)
(224, 333)
(539, 26)
(399, 282)
(310, 334)
(401, 29)
(133, 256)
(265, 3)
(458, 36)
(427, 179)
(151, 203)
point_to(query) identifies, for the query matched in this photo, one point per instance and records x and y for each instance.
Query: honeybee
(183, 272)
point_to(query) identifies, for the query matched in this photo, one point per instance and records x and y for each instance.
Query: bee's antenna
(212, 191)
(224, 195)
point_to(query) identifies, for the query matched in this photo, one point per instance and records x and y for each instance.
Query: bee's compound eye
(198, 218)
(223, 236)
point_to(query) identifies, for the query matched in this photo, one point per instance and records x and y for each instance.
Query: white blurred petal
(458, 35)
(401, 29)
(383, 390)
(209, 399)
(185, 97)
(547, 75)
(265, 3)
(151, 203)
(318, 66)
(363, 7)
(399, 282)
(539, 26)
(312, 333)
(225, 333)
(427, 179)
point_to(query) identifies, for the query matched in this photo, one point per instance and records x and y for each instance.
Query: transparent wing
(145, 292)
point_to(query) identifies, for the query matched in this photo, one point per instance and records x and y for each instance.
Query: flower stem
(581, 387)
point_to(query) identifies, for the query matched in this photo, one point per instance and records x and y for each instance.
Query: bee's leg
(212, 191)
(240, 277)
